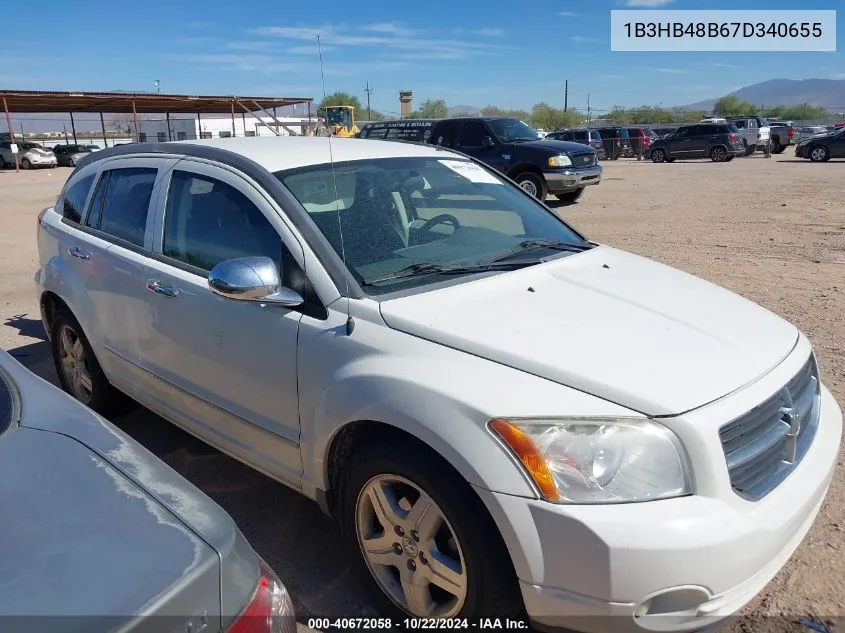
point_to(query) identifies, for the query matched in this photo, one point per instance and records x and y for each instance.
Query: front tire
(532, 184)
(25, 164)
(79, 372)
(421, 539)
(658, 155)
(818, 154)
(570, 196)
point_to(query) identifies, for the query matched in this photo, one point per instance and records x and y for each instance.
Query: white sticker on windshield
(471, 171)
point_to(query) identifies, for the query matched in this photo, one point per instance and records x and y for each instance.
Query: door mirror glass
(487, 141)
(251, 279)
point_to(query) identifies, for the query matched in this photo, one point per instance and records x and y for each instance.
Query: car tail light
(618, 142)
(269, 610)
(791, 132)
(41, 218)
(731, 136)
(646, 141)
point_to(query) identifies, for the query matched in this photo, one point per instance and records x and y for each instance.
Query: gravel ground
(771, 230)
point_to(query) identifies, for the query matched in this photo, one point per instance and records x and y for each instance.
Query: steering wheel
(443, 218)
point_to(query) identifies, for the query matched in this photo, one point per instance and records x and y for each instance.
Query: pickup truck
(754, 130)
(508, 145)
(782, 134)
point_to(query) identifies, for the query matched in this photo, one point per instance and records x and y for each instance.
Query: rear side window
(74, 200)
(208, 221)
(122, 201)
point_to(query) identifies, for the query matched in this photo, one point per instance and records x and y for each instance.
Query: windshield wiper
(445, 269)
(527, 246)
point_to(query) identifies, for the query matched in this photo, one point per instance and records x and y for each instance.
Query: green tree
(432, 109)
(732, 106)
(490, 110)
(341, 98)
(546, 117)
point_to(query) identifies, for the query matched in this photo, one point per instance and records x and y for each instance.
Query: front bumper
(41, 161)
(802, 151)
(589, 568)
(571, 178)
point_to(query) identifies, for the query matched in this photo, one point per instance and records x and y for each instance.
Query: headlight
(560, 161)
(598, 460)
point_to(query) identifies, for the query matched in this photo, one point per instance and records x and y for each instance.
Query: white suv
(503, 416)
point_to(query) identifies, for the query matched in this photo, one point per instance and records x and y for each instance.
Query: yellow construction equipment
(340, 120)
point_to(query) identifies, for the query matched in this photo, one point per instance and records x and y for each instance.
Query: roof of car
(276, 153)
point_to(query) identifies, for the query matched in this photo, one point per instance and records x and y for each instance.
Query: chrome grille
(584, 160)
(765, 444)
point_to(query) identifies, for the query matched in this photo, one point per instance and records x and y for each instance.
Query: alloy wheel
(529, 187)
(74, 364)
(410, 548)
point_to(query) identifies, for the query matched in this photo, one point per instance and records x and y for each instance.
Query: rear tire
(79, 372)
(718, 154)
(532, 184)
(25, 164)
(730, 158)
(570, 196)
(466, 541)
(777, 148)
(750, 149)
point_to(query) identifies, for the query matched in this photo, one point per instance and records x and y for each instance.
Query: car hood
(35, 151)
(609, 323)
(815, 137)
(553, 147)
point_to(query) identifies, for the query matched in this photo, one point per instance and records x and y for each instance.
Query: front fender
(442, 396)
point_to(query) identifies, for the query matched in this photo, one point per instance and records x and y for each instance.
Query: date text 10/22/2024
(424, 624)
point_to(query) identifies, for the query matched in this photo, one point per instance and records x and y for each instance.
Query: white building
(207, 126)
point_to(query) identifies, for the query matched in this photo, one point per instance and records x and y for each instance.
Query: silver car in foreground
(102, 533)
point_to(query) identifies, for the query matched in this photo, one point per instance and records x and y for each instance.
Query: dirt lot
(771, 230)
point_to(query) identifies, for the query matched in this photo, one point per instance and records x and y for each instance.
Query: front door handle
(74, 251)
(157, 286)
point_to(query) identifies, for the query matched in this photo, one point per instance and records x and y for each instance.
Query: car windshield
(513, 130)
(26, 146)
(78, 149)
(425, 215)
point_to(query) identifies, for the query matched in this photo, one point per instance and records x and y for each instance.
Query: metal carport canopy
(144, 102)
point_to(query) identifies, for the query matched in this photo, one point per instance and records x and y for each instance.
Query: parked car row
(31, 155)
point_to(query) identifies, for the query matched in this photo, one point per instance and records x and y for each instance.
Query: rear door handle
(74, 251)
(157, 286)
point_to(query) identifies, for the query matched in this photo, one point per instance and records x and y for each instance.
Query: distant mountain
(464, 110)
(824, 93)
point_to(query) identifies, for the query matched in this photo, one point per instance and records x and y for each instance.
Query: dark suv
(718, 141)
(617, 141)
(584, 136)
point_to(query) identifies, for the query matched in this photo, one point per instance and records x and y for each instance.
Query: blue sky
(466, 52)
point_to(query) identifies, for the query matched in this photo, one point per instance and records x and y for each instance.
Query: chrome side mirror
(253, 279)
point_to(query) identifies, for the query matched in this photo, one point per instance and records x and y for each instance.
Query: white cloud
(838, 76)
(488, 32)
(198, 25)
(670, 71)
(647, 3)
(567, 14)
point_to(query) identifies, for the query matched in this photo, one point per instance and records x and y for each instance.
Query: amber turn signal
(528, 452)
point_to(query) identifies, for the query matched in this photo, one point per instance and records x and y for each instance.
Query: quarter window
(208, 221)
(472, 134)
(121, 203)
(75, 197)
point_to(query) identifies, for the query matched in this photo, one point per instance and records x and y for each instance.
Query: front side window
(208, 221)
(387, 214)
(472, 134)
(122, 201)
(74, 200)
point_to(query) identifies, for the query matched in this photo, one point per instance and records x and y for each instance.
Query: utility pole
(589, 112)
(566, 96)
(368, 90)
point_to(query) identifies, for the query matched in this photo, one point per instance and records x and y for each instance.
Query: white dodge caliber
(504, 417)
